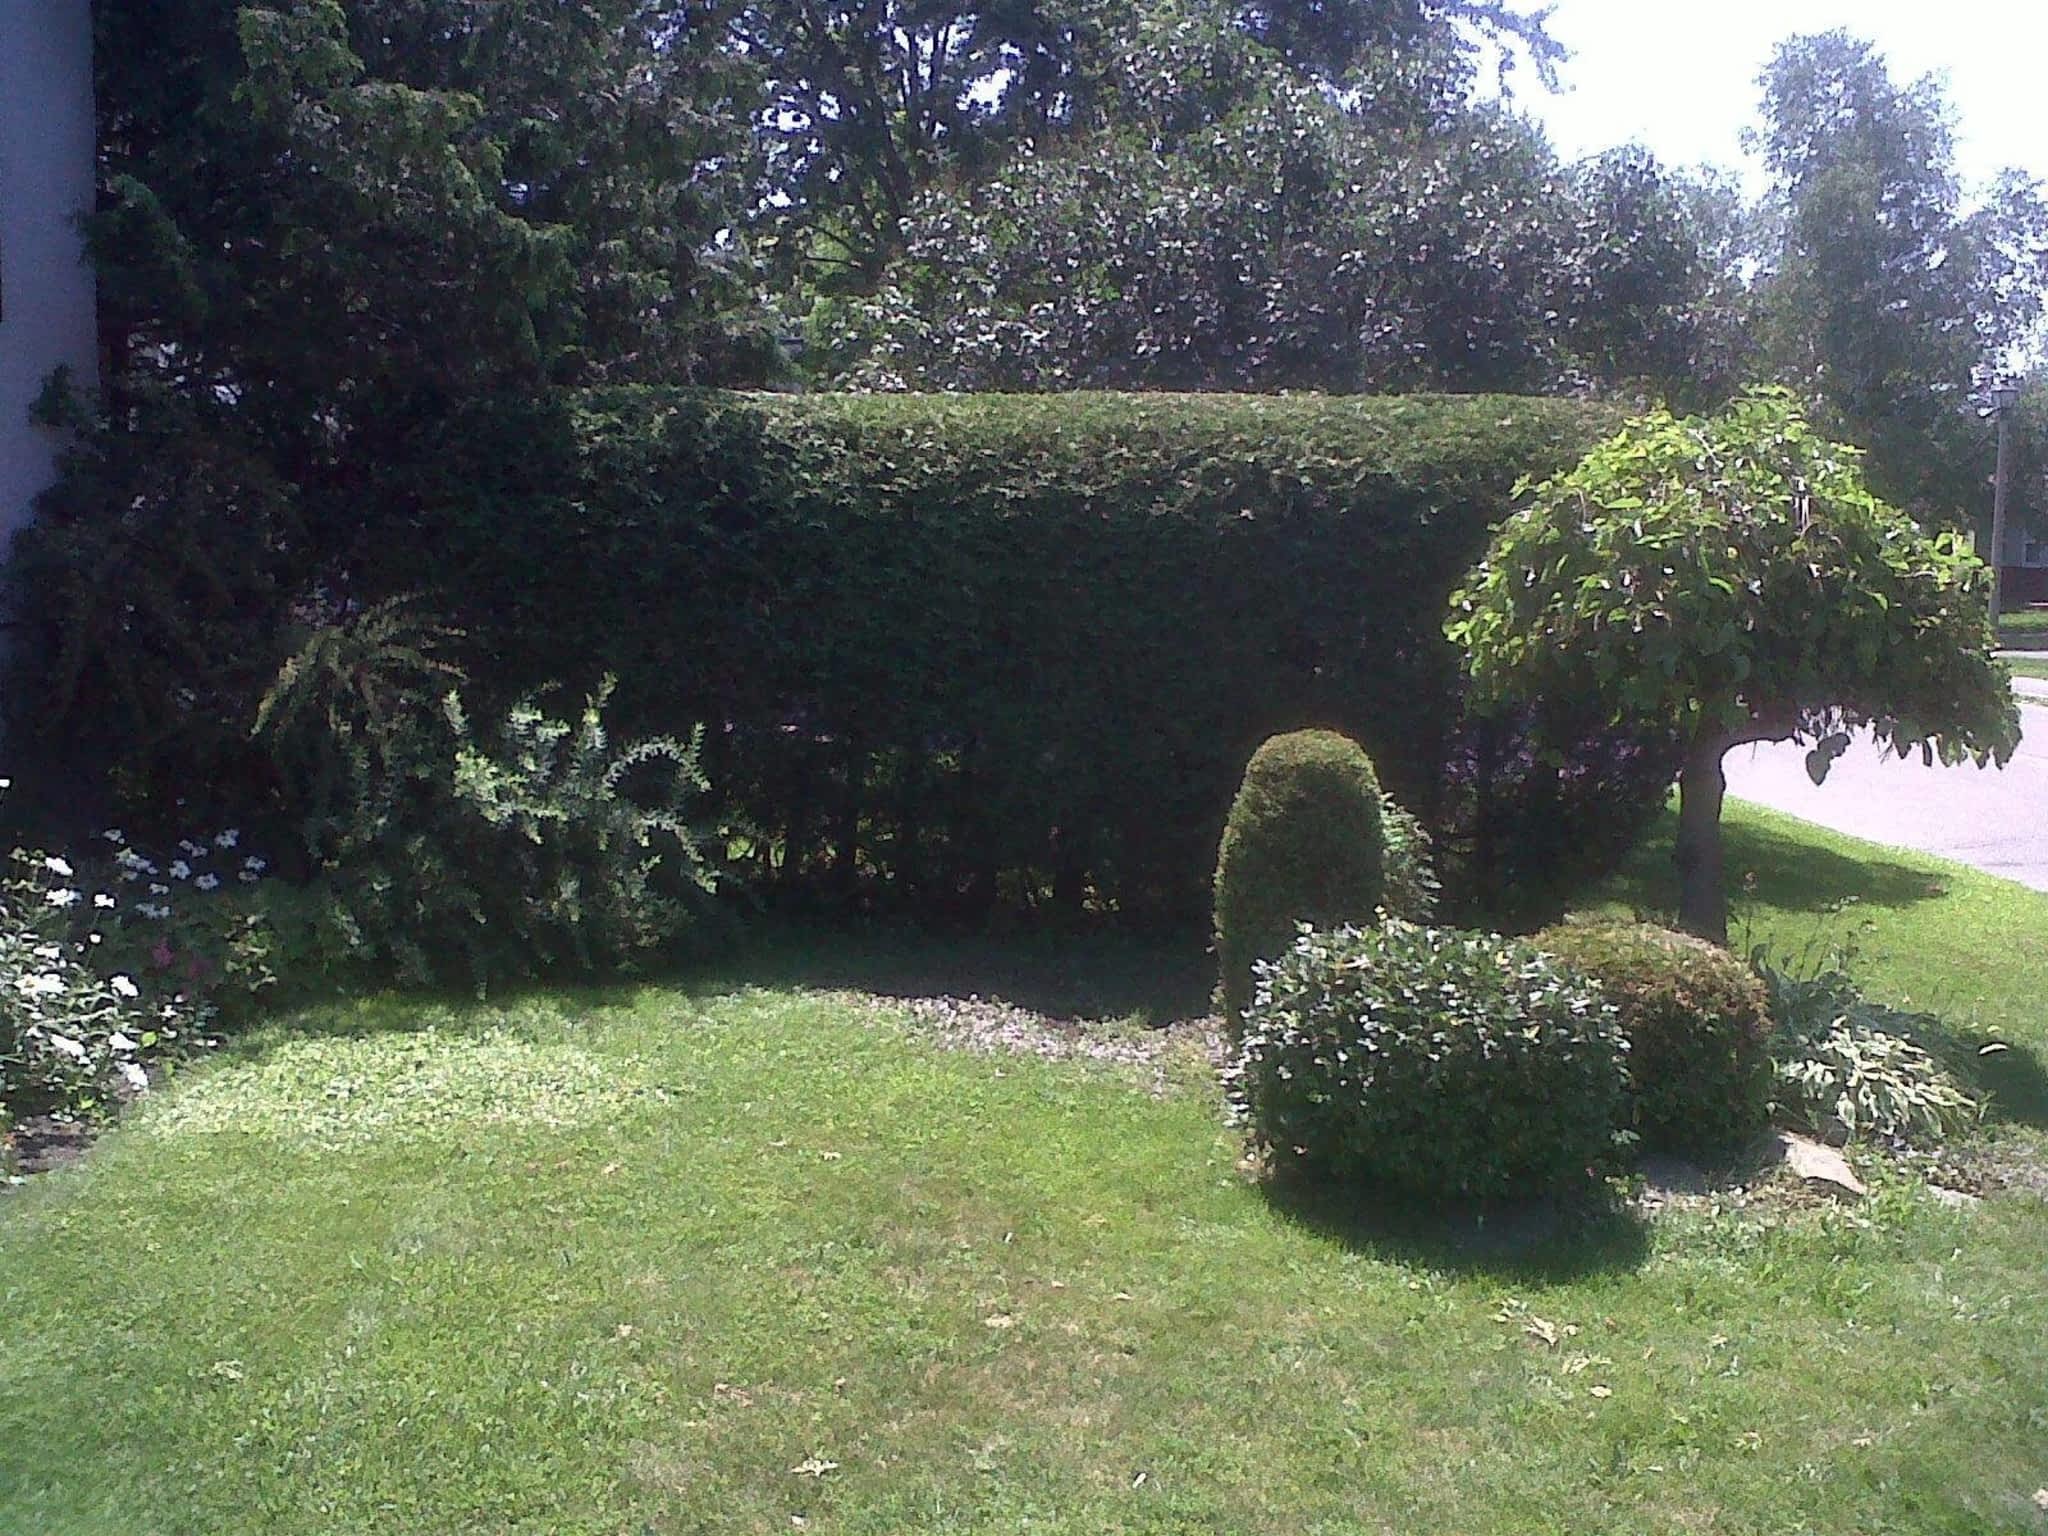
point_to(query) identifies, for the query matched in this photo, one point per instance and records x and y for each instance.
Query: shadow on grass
(1067, 977)
(1536, 1242)
(2009, 1078)
(1775, 870)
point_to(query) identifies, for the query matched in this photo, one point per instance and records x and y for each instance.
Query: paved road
(1994, 819)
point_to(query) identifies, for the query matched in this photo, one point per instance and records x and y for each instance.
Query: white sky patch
(1681, 78)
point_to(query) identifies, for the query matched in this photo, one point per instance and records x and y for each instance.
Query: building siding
(46, 182)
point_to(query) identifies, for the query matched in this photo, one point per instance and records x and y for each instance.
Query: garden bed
(771, 1257)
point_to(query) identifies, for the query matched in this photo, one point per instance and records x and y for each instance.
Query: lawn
(2028, 666)
(718, 1257)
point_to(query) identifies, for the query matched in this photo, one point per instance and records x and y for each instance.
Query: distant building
(46, 183)
(2023, 569)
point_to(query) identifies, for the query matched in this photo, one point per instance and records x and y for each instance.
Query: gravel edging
(989, 1026)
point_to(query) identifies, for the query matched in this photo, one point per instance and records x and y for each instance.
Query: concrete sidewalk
(1993, 819)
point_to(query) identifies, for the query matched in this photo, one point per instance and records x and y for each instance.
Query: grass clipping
(419, 1086)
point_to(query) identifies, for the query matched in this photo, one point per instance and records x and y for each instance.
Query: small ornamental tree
(1732, 577)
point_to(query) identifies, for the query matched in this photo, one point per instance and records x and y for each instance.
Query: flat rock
(1954, 1199)
(1820, 1164)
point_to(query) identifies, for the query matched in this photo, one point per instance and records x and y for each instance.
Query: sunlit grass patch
(337, 1090)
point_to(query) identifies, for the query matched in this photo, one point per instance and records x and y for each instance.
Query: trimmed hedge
(1698, 1024)
(1306, 842)
(960, 652)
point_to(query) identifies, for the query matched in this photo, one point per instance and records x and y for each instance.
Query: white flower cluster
(93, 981)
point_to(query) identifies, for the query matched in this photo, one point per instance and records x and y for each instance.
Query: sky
(1680, 75)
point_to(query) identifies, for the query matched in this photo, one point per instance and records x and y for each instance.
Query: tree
(1733, 578)
(872, 105)
(1883, 296)
(324, 234)
(1649, 291)
(1236, 227)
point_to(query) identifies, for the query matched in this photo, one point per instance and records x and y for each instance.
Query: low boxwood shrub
(1698, 1027)
(1305, 842)
(1426, 1063)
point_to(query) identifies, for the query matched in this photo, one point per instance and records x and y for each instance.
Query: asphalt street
(1994, 819)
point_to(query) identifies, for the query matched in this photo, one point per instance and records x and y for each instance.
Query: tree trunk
(1702, 896)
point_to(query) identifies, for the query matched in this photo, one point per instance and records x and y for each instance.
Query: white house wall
(46, 182)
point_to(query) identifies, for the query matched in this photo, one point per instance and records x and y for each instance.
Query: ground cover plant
(604, 1260)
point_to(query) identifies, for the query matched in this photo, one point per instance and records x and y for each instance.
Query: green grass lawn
(2025, 621)
(730, 1259)
(2028, 666)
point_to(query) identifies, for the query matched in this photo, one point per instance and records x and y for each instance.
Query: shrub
(1411, 885)
(1698, 1027)
(1428, 1063)
(1846, 1066)
(1305, 843)
(439, 853)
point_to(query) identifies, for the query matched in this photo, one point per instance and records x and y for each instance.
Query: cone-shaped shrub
(1305, 843)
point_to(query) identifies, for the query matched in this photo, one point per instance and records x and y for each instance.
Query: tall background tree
(1885, 293)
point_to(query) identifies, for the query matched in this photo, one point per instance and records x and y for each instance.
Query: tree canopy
(1733, 579)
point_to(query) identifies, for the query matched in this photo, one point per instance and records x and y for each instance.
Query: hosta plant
(1846, 1066)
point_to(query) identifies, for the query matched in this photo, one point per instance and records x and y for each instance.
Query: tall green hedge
(961, 651)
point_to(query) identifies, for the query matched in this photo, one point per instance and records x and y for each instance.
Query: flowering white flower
(120, 1041)
(254, 865)
(158, 888)
(124, 987)
(103, 901)
(152, 910)
(64, 1045)
(63, 896)
(40, 984)
(6, 783)
(208, 882)
(133, 1076)
(180, 870)
(92, 938)
(247, 877)
(128, 858)
(113, 835)
(49, 951)
(131, 874)
(190, 849)
(227, 839)
(57, 866)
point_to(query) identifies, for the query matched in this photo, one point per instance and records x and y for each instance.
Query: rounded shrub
(1427, 1063)
(1305, 843)
(1698, 1025)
